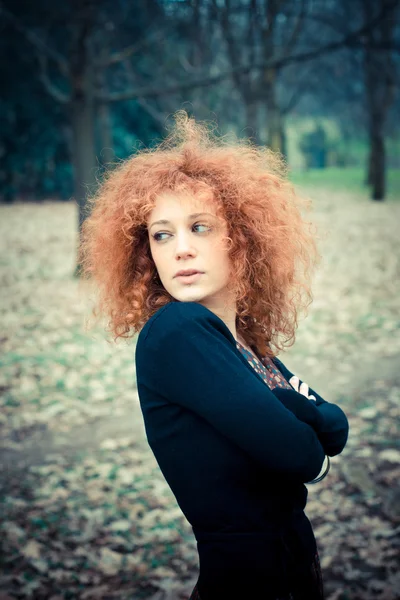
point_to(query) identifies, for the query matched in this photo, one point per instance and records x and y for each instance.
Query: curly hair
(272, 248)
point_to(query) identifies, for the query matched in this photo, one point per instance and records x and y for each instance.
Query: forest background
(85, 512)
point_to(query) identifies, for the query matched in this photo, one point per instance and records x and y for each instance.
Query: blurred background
(85, 511)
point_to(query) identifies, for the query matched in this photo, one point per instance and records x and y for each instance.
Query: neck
(225, 309)
(244, 344)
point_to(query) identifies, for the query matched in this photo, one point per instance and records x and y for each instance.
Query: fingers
(301, 388)
(295, 382)
(304, 389)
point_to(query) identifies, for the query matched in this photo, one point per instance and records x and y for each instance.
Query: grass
(354, 149)
(345, 178)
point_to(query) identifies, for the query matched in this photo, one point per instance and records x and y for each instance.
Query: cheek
(156, 255)
(222, 261)
(153, 255)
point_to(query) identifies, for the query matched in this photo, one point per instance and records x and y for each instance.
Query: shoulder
(172, 314)
(179, 321)
(181, 318)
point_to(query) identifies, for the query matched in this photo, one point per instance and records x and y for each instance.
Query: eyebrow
(193, 216)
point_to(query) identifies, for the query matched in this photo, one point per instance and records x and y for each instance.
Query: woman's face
(192, 237)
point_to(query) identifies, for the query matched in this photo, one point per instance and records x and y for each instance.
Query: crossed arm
(333, 430)
(189, 356)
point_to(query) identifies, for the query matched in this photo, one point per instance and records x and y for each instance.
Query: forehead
(172, 203)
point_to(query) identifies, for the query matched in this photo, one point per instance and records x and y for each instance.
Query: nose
(184, 245)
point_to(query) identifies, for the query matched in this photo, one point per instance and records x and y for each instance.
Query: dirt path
(41, 446)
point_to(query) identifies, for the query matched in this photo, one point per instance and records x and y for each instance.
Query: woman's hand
(303, 389)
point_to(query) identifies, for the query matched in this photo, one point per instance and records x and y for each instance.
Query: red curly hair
(272, 248)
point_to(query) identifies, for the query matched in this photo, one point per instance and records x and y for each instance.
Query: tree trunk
(375, 175)
(82, 108)
(107, 154)
(379, 88)
(376, 165)
(275, 129)
(251, 108)
(283, 140)
(369, 177)
(274, 121)
(103, 114)
(84, 153)
(378, 172)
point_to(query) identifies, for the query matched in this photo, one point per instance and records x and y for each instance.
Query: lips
(187, 272)
(189, 279)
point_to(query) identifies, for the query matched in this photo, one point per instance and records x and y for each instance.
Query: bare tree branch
(122, 55)
(335, 22)
(251, 31)
(36, 41)
(153, 112)
(296, 95)
(296, 29)
(185, 64)
(378, 46)
(278, 63)
(133, 80)
(51, 89)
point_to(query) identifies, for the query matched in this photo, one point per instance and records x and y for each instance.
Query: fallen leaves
(104, 523)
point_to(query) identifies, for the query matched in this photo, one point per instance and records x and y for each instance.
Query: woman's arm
(332, 431)
(188, 355)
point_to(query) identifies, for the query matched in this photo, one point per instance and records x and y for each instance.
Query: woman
(199, 245)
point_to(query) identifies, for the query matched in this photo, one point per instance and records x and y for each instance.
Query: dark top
(235, 453)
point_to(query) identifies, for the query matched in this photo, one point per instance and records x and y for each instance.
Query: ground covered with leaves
(85, 511)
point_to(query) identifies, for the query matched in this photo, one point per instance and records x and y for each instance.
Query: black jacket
(235, 454)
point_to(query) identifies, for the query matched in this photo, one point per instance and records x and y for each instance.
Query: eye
(157, 235)
(202, 225)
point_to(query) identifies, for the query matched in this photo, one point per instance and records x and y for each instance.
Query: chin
(189, 295)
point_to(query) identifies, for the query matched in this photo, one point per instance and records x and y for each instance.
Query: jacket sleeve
(332, 428)
(189, 356)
